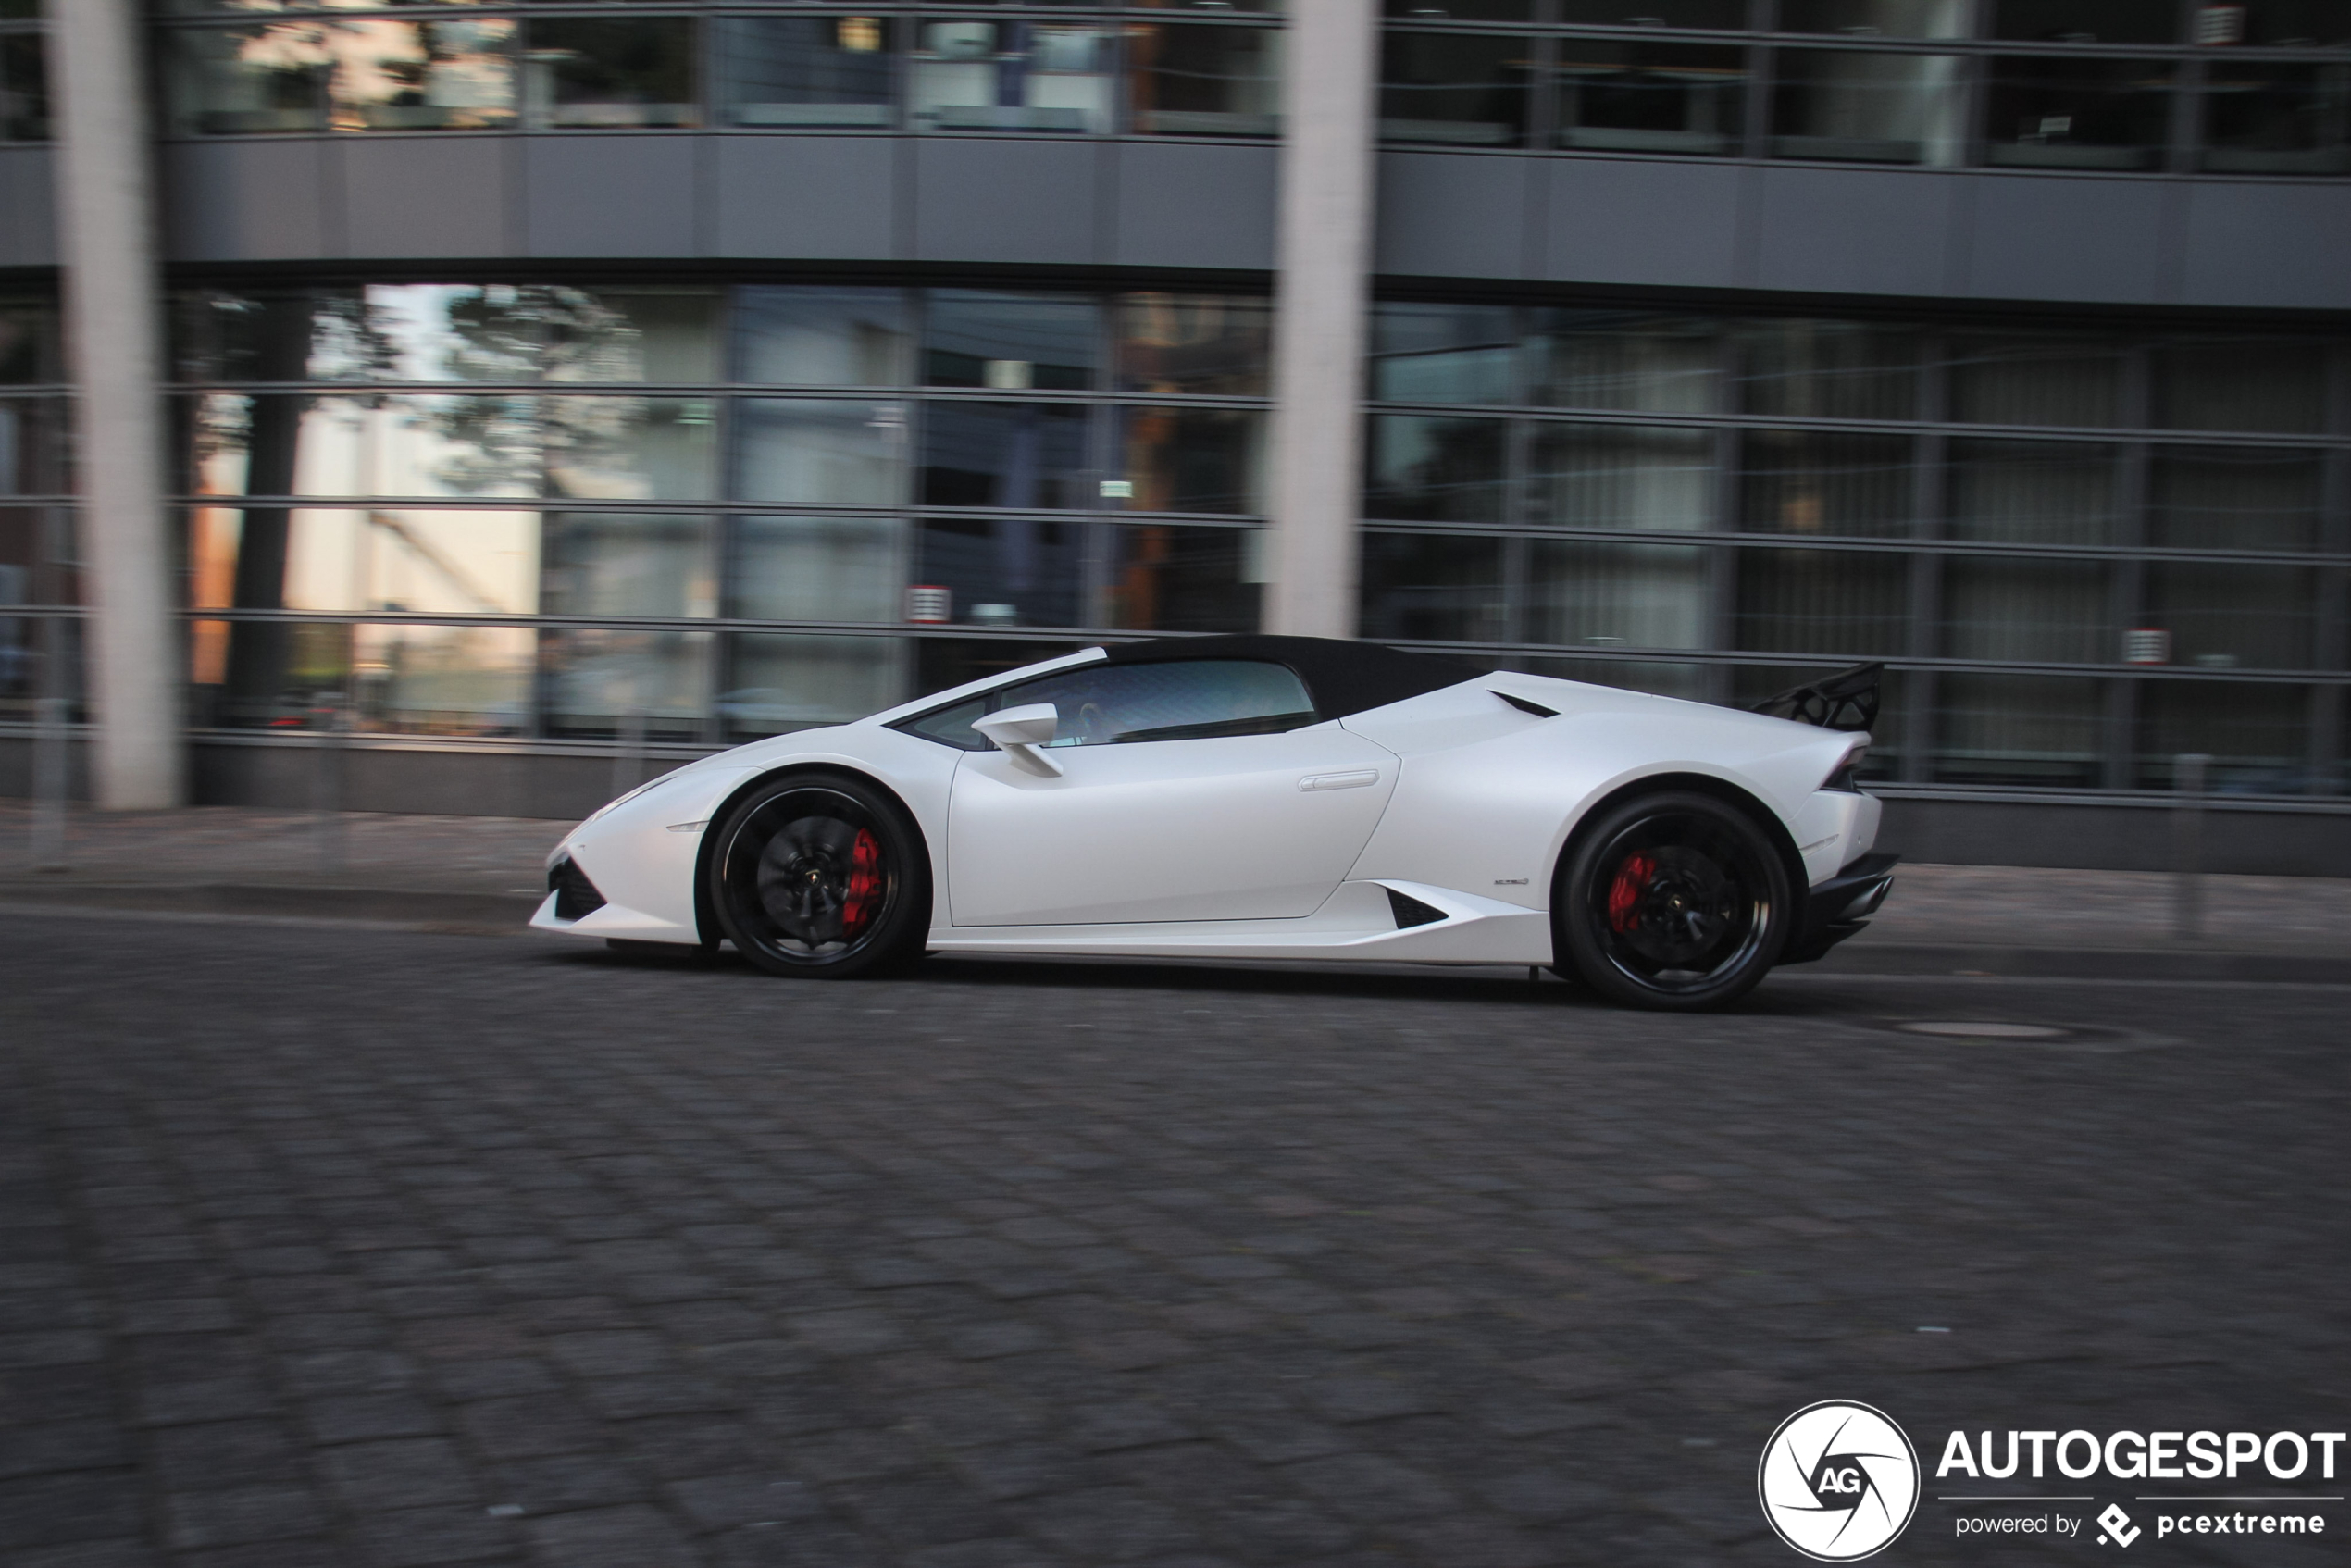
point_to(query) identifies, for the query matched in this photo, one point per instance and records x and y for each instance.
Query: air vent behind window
(1410, 911)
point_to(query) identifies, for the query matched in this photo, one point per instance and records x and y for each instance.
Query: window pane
(942, 662)
(1194, 459)
(2268, 118)
(29, 348)
(1645, 596)
(1441, 588)
(608, 563)
(2018, 730)
(2294, 23)
(2086, 21)
(2072, 112)
(812, 452)
(1444, 353)
(422, 76)
(442, 679)
(779, 684)
(1828, 371)
(1602, 477)
(1184, 578)
(992, 75)
(1605, 359)
(1463, 10)
(593, 679)
(1799, 482)
(2033, 493)
(1727, 14)
(1434, 469)
(2037, 380)
(2257, 735)
(2234, 617)
(1183, 700)
(1456, 89)
(1200, 343)
(1017, 455)
(628, 334)
(2031, 611)
(24, 89)
(274, 675)
(807, 70)
(1012, 341)
(1822, 602)
(297, 445)
(2215, 498)
(1688, 682)
(239, 80)
(321, 559)
(1616, 95)
(1204, 81)
(793, 337)
(1867, 108)
(611, 71)
(1006, 571)
(32, 446)
(631, 448)
(1890, 19)
(2242, 384)
(816, 569)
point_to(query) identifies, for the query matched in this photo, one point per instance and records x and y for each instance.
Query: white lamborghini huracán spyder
(1263, 798)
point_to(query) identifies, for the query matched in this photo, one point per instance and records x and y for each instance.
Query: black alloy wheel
(821, 875)
(1673, 901)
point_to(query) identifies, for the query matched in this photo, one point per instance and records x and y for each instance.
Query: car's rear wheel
(822, 875)
(1676, 900)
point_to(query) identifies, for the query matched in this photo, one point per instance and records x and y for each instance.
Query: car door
(1193, 789)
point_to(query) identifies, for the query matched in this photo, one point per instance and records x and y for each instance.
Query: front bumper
(1836, 909)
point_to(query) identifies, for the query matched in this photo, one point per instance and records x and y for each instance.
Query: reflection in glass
(442, 679)
(1437, 588)
(2272, 118)
(32, 446)
(2257, 734)
(1458, 89)
(1616, 95)
(390, 75)
(980, 338)
(433, 561)
(1609, 359)
(1194, 459)
(2037, 380)
(1218, 344)
(241, 81)
(617, 564)
(1659, 678)
(1618, 476)
(1828, 371)
(815, 337)
(1889, 19)
(2293, 24)
(29, 348)
(813, 452)
(776, 684)
(1017, 454)
(24, 89)
(2072, 112)
(2027, 611)
(2222, 498)
(1722, 15)
(634, 72)
(815, 569)
(2034, 492)
(1638, 595)
(1436, 470)
(992, 75)
(1461, 10)
(2224, 616)
(1822, 602)
(2276, 384)
(942, 662)
(1804, 482)
(1867, 108)
(2020, 730)
(1165, 579)
(1190, 81)
(2085, 21)
(806, 71)
(1006, 571)
(592, 679)
(1424, 353)
(629, 448)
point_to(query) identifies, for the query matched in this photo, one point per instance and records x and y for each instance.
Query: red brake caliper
(865, 885)
(1624, 893)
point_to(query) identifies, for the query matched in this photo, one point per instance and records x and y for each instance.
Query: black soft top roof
(1344, 677)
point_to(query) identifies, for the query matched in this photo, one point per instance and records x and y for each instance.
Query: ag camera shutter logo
(1838, 1481)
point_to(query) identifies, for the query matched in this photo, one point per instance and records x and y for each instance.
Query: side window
(951, 726)
(1182, 700)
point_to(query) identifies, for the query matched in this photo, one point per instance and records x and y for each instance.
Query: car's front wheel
(1675, 900)
(822, 875)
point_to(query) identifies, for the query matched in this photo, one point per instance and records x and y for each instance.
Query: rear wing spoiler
(1846, 700)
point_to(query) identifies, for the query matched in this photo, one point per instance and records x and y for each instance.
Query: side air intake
(1410, 911)
(576, 897)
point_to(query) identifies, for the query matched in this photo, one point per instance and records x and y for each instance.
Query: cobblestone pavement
(343, 1247)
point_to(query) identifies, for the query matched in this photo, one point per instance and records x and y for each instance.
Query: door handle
(1354, 781)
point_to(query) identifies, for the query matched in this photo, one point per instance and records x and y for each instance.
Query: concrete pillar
(1329, 83)
(114, 348)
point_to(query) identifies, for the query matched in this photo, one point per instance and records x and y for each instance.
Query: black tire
(821, 876)
(1676, 900)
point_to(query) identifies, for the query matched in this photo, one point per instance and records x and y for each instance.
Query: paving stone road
(324, 1246)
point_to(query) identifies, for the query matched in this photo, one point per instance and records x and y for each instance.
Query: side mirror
(1017, 733)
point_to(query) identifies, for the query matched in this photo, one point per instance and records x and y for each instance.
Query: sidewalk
(483, 874)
